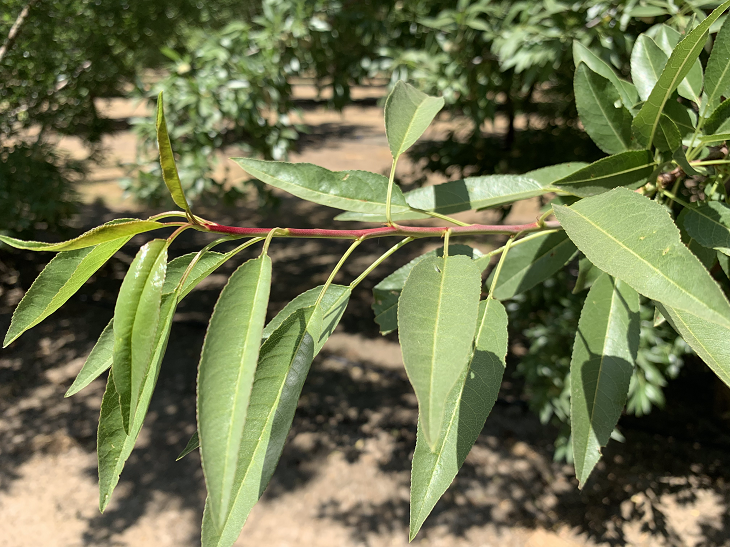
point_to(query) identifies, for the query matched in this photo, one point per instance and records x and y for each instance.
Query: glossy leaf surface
(690, 88)
(625, 169)
(98, 361)
(226, 374)
(634, 239)
(467, 408)
(709, 225)
(408, 113)
(437, 315)
(601, 366)
(647, 62)
(167, 159)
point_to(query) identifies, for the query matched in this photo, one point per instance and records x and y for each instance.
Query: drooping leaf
(113, 443)
(717, 76)
(59, 281)
(284, 362)
(225, 376)
(98, 361)
(437, 315)
(358, 191)
(387, 292)
(604, 353)
(678, 66)
(587, 275)
(581, 54)
(531, 263)
(136, 317)
(469, 403)
(709, 340)
(408, 113)
(101, 234)
(647, 62)
(193, 444)
(628, 169)
(690, 88)
(719, 120)
(547, 175)
(709, 225)
(634, 239)
(167, 160)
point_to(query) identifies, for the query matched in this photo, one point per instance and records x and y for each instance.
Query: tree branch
(15, 29)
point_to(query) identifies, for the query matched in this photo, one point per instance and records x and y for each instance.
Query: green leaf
(581, 54)
(98, 361)
(437, 315)
(634, 239)
(684, 118)
(387, 293)
(709, 340)
(719, 120)
(193, 444)
(647, 62)
(706, 255)
(547, 175)
(532, 262)
(709, 225)
(59, 281)
(625, 169)
(717, 76)
(167, 160)
(226, 374)
(408, 113)
(724, 261)
(604, 353)
(668, 137)
(209, 262)
(679, 65)
(136, 317)
(113, 443)
(587, 275)
(469, 403)
(690, 88)
(284, 362)
(95, 236)
(717, 138)
(358, 191)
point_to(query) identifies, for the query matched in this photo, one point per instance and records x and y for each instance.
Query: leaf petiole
(499, 266)
(337, 269)
(379, 261)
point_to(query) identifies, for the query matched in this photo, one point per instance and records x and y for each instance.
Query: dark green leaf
(467, 408)
(604, 353)
(225, 376)
(167, 159)
(437, 315)
(408, 113)
(582, 54)
(647, 62)
(625, 169)
(709, 225)
(706, 255)
(668, 137)
(193, 444)
(717, 78)
(98, 361)
(531, 263)
(587, 275)
(719, 120)
(634, 239)
(684, 117)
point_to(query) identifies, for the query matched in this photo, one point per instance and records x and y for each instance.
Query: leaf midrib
(408, 129)
(608, 176)
(605, 114)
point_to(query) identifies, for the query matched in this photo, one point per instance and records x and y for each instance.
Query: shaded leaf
(719, 120)
(587, 275)
(635, 240)
(408, 113)
(167, 159)
(98, 361)
(717, 76)
(467, 408)
(604, 353)
(668, 137)
(709, 225)
(706, 255)
(581, 54)
(629, 169)
(437, 315)
(193, 444)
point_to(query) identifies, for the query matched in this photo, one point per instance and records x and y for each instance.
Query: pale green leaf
(437, 315)
(714, 139)
(634, 239)
(581, 54)
(167, 159)
(136, 317)
(98, 361)
(408, 113)
(709, 225)
(467, 407)
(604, 353)
(647, 62)
(358, 191)
(625, 169)
(226, 374)
(717, 76)
(547, 175)
(59, 281)
(690, 88)
(679, 65)
(193, 444)
(531, 263)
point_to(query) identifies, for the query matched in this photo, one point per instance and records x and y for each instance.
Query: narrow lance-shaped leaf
(719, 121)
(634, 239)
(193, 444)
(167, 160)
(709, 224)
(607, 125)
(532, 262)
(408, 113)
(358, 191)
(625, 169)
(647, 62)
(387, 293)
(467, 408)
(668, 137)
(678, 66)
(98, 361)
(226, 373)
(547, 175)
(690, 88)
(437, 315)
(717, 76)
(95, 236)
(603, 359)
(136, 317)
(59, 281)
(581, 54)
(709, 340)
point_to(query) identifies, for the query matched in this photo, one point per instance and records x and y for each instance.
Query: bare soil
(344, 476)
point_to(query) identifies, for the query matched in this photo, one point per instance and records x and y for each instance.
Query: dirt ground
(344, 476)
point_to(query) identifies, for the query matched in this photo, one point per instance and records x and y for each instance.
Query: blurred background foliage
(227, 69)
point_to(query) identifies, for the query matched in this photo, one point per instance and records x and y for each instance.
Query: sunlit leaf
(625, 169)
(547, 175)
(647, 62)
(717, 76)
(581, 54)
(408, 113)
(98, 361)
(690, 88)
(167, 159)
